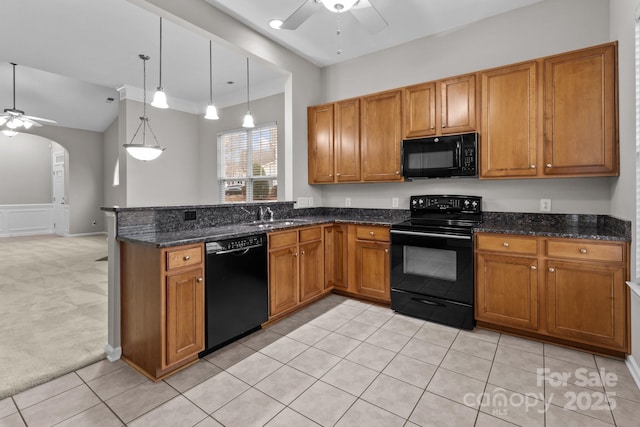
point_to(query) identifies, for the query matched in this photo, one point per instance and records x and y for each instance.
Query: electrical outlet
(303, 202)
(347, 201)
(394, 202)
(545, 205)
(310, 202)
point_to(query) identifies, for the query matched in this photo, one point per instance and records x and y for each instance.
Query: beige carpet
(53, 307)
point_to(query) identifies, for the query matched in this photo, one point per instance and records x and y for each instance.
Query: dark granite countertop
(574, 226)
(162, 239)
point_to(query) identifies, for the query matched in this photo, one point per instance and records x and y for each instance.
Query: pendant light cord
(160, 82)
(248, 109)
(210, 76)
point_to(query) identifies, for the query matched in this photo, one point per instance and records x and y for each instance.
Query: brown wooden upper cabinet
(580, 112)
(438, 108)
(509, 121)
(334, 142)
(552, 117)
(381, 136)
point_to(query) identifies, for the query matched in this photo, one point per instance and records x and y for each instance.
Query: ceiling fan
(362, 10)
(13, 118)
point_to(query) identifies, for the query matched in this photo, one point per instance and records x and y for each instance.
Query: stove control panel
(445, 203)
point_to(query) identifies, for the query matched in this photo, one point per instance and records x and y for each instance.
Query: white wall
(84, 189)
(25, 170)
(110, 154)
(545, 28)
(171, 179)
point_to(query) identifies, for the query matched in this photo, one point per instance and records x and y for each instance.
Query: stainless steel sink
(279, 223)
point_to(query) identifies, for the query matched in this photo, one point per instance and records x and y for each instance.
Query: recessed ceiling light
(230, 82)
(275, 24)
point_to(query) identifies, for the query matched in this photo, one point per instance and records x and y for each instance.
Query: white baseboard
(113, 354)
(95, 233)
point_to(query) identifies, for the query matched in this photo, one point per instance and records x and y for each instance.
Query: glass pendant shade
(143, 152)
(160, 99)
(339, 6)
(9, 132)
(248, 121)
(212, 113)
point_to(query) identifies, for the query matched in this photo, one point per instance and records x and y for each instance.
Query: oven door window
(439, 267)
(430, 263)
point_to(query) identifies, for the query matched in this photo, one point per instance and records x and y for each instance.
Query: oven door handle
(426, 301)
(420, 234)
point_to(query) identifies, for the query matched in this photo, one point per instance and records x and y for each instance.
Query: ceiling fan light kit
(143, 151)
(339, 6)
(13, 119)
(160, 98)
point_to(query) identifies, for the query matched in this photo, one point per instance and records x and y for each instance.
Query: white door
(59, 215)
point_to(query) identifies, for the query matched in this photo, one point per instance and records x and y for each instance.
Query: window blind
(248, 164)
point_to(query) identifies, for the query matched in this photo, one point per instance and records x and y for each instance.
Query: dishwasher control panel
(235, 244)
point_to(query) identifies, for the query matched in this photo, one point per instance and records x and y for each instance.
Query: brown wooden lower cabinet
(335, 256)
(162, 306)
(368, 262)
(296, 268)
(569, 291)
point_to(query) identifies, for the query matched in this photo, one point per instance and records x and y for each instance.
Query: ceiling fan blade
(301, 14)
(370, 18)
(30, 121)
(38, 119)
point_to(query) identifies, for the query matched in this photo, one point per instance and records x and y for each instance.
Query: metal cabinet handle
(371, 233)
(295, 254)
(505, 244)
(551, 269)
(200, 279)
(549, 165)
(386, 251)
(532, 166)
(533, 267)
(433, 127)
(186, 258)
(337, 174)
(583, 251)
(302, 252)
(397, 172)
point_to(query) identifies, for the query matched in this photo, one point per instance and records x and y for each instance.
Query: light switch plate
(394, 202)
(347, 201)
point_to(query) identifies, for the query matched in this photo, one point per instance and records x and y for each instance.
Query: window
(248, 164)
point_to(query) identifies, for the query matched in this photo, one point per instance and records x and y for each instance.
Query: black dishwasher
(236, 289)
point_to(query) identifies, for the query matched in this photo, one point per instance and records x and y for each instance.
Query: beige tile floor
(346, 363)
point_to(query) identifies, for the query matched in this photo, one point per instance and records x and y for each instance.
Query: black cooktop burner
(443, 214)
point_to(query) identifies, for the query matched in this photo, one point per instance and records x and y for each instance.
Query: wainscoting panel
(26, 220)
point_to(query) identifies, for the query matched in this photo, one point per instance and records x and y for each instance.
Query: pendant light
(248, 118)
(212, 112)
(143, 151)
(160, 98)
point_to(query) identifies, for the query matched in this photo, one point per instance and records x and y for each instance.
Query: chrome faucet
(260, 214)
(269, 213)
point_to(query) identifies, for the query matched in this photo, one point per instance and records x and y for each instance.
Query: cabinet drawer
(285, 238)
(380, 234)
(184, 257)
(507, 244)
(585, 250)
(310, 234)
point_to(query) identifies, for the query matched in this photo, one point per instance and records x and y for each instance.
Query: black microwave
(440, 156)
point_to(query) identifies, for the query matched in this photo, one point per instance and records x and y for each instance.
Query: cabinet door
(458, 104)
(507, 290)
(372, 269)
(335, 256)
(320, 137)
(347, 140)
(311, 269)
(381, 136)
(587, 302)
(283, 279)
(580, 111)
(509, 117)
(185, 315)
(419, 110)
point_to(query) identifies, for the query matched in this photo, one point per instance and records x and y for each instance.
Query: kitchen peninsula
(168, 245)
